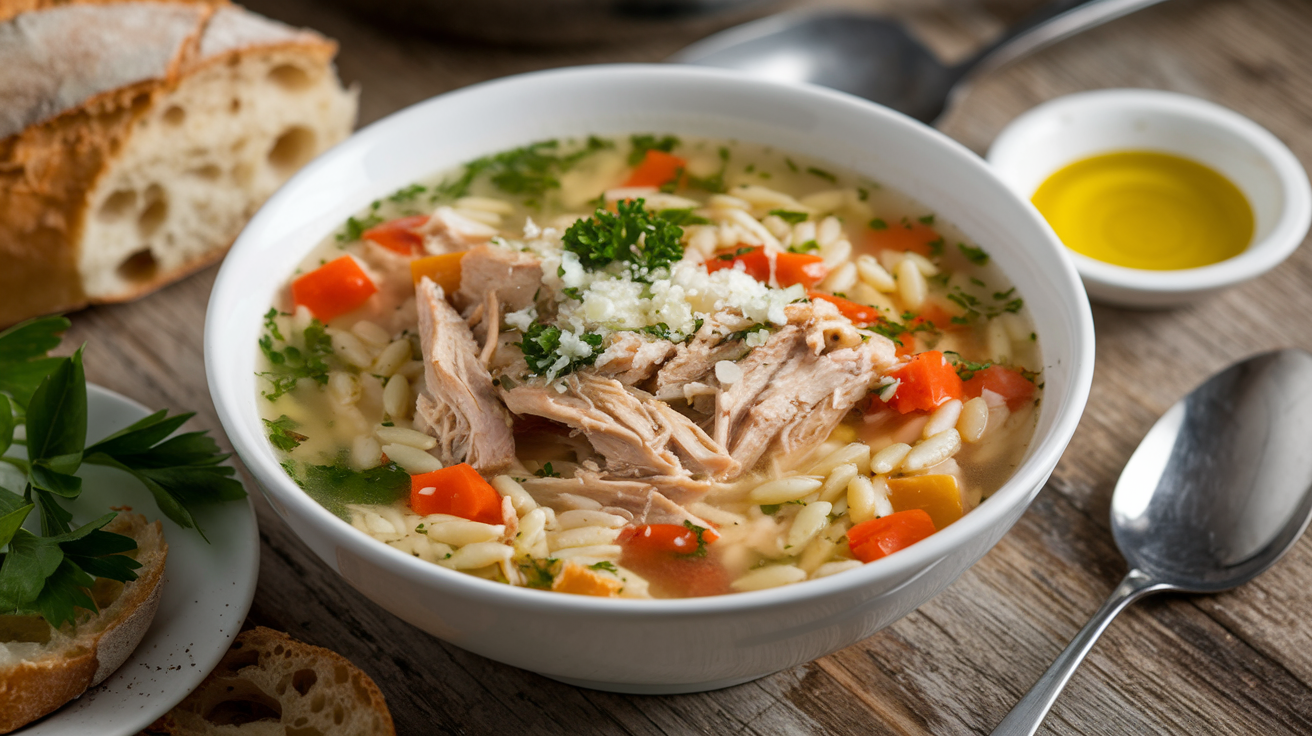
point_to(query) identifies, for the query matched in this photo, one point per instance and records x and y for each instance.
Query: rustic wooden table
(1239, 662)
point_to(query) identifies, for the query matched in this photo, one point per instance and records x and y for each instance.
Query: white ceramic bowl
(1074, 127)
(662, 646)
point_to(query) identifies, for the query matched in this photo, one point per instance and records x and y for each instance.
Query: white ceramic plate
(207, 592)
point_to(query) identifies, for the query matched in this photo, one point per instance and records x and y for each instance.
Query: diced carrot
(915, 237)
(860, 314)
(399, 235)
(876, 538)
(927, 381)
(1006, 382)
(443, 269)
(656, 169)
(333, 289)
(576, 578)
(667, 556)
(789, 268)
(459, 491)
(937, 495)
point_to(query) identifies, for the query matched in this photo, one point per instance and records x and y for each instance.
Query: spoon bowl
(878, 59)
(1218, 490)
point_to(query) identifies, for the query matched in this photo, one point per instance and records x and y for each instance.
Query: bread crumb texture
(42, 668)
(134, 156)
(269, 684)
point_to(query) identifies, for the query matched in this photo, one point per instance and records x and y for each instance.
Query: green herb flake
(645, 142)
(541, 348)
(975, 255)
(926, 220)
(354, 228)
(606, 237)
(606, 565)
(290, 364)
(827, 176)
(539, 573)
(792, 166)
(281, 435)
(809, 246)
(546, 471)
(878, 224)
(792, 218)
(701, 542)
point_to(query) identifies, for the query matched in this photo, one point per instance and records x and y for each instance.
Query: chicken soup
(649, 366)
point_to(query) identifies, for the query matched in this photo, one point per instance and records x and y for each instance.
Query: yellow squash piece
(444, 270)
(937, 495)
(578, 579)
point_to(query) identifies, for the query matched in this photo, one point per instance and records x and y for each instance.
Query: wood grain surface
(1235, 663)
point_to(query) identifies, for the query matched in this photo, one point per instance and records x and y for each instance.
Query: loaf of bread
(42, 668)
(270, 684)
(137, 138)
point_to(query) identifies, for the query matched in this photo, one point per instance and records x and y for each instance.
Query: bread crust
(100, 643)
(50, 168)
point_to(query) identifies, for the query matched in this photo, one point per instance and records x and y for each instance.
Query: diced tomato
(399, 235)
(915, 237)
(789, 268)
(667, 556)
(860, 314)
(443, 269)
(459, 491)
(656, 169)
(333, 289)
(927, 381)
(1006, 382)
(876, 538)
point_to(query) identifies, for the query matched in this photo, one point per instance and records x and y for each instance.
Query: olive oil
(1147, 210)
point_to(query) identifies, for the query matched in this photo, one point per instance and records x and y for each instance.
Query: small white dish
(1075, 127)
(207, 591)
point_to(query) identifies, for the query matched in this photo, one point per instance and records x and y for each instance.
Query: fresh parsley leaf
(975, 255)
(792, 165)
(644, 142)
(792, 218)
(539, 573)
(770, 509)
(807, 247)
(827, 176)
(290, 364)
(281, 435)
(13, 511)
(878, 224)
(546, 471)
(6, 425)
(965, 369)
(407, 194)
(541, 348)
(606, 565)
(57, 428)
(605, 238)
(23, 356)
(180, 472)
(336, 486)
(1000, 295)
(354, 228)
(926, 220)
(682, 217)
(936, 247)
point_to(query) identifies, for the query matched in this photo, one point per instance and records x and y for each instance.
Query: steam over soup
(649, 367)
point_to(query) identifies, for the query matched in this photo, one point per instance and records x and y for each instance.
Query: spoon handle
(1025, 718)
(1053, 22)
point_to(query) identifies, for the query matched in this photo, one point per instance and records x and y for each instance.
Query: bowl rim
(1286, 234)
(1019, 490)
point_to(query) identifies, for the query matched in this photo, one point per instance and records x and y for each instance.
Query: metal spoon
(1219, 489)
(876, 58)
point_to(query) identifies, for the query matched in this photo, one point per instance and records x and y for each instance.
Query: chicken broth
(649, 366)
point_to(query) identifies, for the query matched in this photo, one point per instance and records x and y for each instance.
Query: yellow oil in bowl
(1147, 210)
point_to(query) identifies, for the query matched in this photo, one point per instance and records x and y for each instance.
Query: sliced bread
(42, 668)
(269, 684)
(137, 138)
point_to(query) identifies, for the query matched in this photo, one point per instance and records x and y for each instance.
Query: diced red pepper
(1006, 382)
(876, 538)
(399, 235)
(667, 555)
(915, 237)
(789, 268)
(926, 382)
(657, 168)
(459, 491)
(333, 289)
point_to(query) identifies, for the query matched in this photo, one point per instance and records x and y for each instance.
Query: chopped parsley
(926, 220)
(541, 348)
(539, 573)
(792, 218)
(742, 334)
(281, 435)
(792, 166)
(407, 194)
(606, 565)
(815, 171)
(290, 364)
(645, 142)
(713, 183)
(807, 247)
(878, 224)
(336, 486)
(701, 542)
(682, 217)
(529, 171)
(975, 255)
(1000, 295)
(632, 235)
(354, 228)
(935, 247)
(546, 471)
(965, 369)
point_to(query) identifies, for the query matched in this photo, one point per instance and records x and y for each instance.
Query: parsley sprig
(290, 364)
(50, 574)
(632, 235)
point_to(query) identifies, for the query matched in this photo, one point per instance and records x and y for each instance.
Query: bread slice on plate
(270, 684)
(137, 138)
(42, 668)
